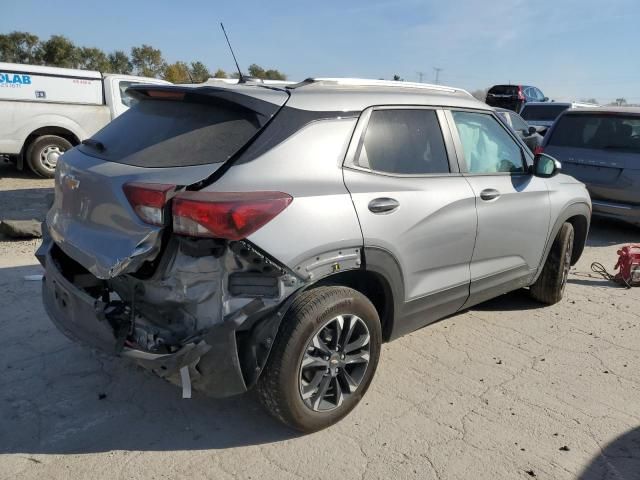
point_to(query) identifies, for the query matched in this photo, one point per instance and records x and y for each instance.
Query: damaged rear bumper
(213, 359)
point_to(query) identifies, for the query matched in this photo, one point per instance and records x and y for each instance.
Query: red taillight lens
(538, 150)
(229, 215)
(148, 200)
(520, 94)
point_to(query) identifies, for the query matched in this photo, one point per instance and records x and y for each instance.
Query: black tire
(280, 386)
(41, 151)
(551, 283)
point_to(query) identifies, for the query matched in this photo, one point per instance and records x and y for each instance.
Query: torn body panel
(208, 306)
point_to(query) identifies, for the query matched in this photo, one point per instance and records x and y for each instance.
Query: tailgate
(174, 135)
(609, 175)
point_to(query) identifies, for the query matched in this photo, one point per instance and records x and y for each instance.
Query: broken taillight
(148, 200)
(228, 215)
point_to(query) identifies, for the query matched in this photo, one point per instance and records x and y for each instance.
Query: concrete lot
(506, 390)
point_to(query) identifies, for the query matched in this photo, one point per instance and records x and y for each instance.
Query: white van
(45, 111)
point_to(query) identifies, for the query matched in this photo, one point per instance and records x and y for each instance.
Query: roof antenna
(240, 77)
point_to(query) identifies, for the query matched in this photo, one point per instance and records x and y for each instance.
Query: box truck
(45, 111)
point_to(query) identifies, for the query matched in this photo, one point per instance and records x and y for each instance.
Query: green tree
(147, 61)
(119, 63)
(220, 74)
(92, 59)
(19, 47)
(199, 72)
(256, 71)
(397, 78)
(271, 74)
(59, 51)
(177, 73)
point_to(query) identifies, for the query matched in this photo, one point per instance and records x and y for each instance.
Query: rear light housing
(228, 215)
(148, 200)
(520, 94)
(538, 150)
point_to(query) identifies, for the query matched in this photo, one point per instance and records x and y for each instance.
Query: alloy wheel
(334, 363)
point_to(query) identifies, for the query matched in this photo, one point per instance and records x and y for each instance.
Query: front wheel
(43, 153)
(549, 288)
(323, 359)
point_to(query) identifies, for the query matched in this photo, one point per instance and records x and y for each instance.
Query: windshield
(616, 132)
(547, 113)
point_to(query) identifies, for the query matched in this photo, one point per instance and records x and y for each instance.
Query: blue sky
(570, 49)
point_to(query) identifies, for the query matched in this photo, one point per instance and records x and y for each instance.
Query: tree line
(144, 60)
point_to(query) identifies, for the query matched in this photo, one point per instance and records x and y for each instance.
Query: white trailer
(45, 111)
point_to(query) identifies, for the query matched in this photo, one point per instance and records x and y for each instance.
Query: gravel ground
(506, 390)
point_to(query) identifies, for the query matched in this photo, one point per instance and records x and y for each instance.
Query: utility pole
(420, 76)
(437, 70)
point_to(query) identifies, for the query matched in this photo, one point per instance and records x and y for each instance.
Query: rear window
(547, 113)
(602, 132)
(169, 133)
(504, 90)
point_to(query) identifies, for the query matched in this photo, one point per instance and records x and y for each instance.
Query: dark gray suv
(601, 147)
(256, 235)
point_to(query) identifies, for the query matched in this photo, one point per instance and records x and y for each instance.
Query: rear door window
(170, 133)
(404, 141)
(602, 132)
(486, 145)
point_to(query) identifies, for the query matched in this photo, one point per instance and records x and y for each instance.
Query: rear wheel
(323, 360)
(43, 153)
(549, 288)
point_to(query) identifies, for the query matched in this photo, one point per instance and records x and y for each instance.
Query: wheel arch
(50, 130)
(579, 215)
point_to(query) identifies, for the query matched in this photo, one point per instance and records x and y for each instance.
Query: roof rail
(365, 82)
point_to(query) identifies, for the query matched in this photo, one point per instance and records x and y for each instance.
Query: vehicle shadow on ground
(605, 232)
(620, 459)
(57, 397)
(516, 300)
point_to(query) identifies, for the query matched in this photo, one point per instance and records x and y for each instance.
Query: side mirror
(545, 99)
(545, 166)
(532, 130)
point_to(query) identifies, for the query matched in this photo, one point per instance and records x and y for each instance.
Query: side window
(528, 93)
(518, 123)
(487, 147)
(126, 99)
(404, 141)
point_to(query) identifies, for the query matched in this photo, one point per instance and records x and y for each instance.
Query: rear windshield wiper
(89, 142)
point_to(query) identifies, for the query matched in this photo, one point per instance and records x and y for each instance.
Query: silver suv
(246, 235)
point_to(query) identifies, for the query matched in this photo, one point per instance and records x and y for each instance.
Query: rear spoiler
(208, 94)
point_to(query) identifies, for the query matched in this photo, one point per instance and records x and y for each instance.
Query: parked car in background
(526, 132)
(542, 114)
(513, 97)
(46, 110)
(249, 235)
(601, 147)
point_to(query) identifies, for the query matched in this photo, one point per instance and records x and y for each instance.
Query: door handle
(383, 205)
(489, 194)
